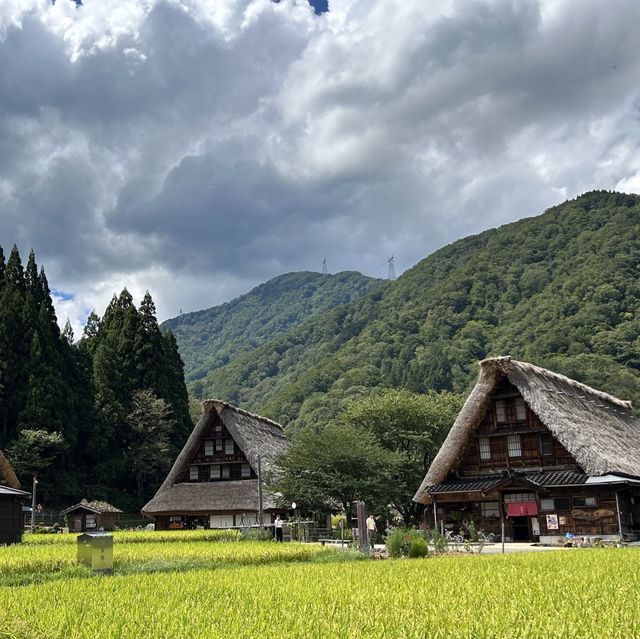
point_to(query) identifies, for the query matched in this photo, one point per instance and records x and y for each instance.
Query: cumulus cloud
(199, 147)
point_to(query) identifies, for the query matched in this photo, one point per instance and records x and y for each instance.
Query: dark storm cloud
(197, 148)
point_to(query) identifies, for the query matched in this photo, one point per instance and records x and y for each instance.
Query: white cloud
(198, 147)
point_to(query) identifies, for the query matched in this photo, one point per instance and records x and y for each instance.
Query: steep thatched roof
(95, 506)
(7, 476)
(597, 429)
(256, 436)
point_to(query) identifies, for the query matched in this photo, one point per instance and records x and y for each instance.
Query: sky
(197, 148)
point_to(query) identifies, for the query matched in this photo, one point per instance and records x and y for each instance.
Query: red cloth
(522, 509)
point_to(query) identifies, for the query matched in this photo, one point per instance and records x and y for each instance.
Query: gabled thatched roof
(7, 476)
(95, 506)
(597, 429)
(256, 436)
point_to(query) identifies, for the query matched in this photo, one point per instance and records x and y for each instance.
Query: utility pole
(33, 504)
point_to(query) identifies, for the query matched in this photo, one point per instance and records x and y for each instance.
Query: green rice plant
(560, 594)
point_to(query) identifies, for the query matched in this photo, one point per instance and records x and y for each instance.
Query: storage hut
(91, 516)
(214, 481)
(544, 454)
(12, 500)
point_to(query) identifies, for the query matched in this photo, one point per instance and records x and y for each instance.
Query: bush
(400, 543)
(418, 548)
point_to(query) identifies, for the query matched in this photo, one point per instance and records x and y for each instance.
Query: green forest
(212, 338)
(561, 290)
(101, 418)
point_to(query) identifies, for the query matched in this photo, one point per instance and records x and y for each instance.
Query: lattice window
(228, 447)
(546, 444)
(521, 410)
(485, 448)
(193, 473)
(501, 412)
(514, 448)
(208, 448)
(246, 470)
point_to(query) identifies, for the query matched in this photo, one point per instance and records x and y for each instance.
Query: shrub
(256, 534)
(400, 541)
(418, 548)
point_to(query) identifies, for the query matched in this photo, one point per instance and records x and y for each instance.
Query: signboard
(552, 522)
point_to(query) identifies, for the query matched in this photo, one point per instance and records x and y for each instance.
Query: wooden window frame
(514, 447)
(484, 448)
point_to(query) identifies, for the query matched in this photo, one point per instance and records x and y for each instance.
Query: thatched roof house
(11, 501)
(90, 516)
(214, 480)
(529, 426)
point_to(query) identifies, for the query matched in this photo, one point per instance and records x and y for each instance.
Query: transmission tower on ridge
(392, 268)
(324, 266)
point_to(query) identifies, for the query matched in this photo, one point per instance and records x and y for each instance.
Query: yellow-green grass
(26, 563)
(139, 536)
(566, 594)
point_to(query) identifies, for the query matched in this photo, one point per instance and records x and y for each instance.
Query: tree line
(101, 417)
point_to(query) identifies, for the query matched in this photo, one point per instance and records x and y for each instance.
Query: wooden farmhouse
(12, 500)
(91, 516)
(214, 481)
(547, 455)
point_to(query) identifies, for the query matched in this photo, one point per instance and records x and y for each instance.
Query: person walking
(278, 526)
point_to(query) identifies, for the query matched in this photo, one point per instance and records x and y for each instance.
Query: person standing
(371, 528)
(278, 526)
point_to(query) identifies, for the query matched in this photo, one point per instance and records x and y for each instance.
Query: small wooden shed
(91, 516)
(12, 500)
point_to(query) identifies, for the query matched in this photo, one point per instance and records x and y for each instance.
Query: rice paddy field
(197, 586)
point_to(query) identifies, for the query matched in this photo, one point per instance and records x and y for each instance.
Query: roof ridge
(242, 411)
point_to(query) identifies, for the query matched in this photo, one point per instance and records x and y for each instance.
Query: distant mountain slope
(561, 290)
(212, 338)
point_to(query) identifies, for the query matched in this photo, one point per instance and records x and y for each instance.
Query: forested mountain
(561, 290)
(99, 419)
(214, 337)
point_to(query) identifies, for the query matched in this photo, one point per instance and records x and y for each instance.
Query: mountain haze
(561, 290)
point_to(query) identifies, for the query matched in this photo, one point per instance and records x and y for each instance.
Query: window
(193, 473)
(485, 448)
(546, 444)
(521, 410)
(217, 428)
(518, 497)
(246, 470)
(501, 412)
(225, 471)
(208, 448)
(218, 445)
(582, 502)
(514, 449)
(559, 503)
(215, 471)
(90, 522)
(490, 509)
(228, 446)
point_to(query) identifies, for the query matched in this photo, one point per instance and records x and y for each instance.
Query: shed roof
(95, 506)
(255, 435)
(597, 429)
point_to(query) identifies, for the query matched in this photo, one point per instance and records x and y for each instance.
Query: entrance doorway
(521, 530)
